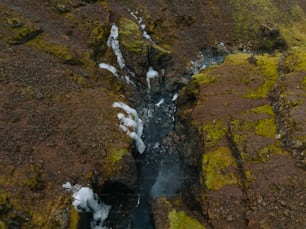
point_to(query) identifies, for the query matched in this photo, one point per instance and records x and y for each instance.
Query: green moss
(81, 80)
(98, 37)
(296, 59)
(267, 66)
(267, 152)
(23, 34)
(116, 155)
(237, 59)
(218, 168)
(130, 36)
(294, 31)
(32, 179)
(266, 128)
(213, 133)
(204, 78)
(263, 109)
(74, 218)
(2, 225)
(179, 220)
(60, 51)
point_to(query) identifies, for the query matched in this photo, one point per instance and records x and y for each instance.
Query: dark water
(160, 168)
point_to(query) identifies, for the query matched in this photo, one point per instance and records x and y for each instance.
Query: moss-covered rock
(131, 36)
(216, 167)
(179, 220)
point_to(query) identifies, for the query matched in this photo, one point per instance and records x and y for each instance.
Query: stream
(158, 160)
(160, 168)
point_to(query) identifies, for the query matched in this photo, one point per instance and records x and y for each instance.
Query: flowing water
(160, 168)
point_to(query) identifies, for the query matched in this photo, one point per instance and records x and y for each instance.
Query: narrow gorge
(152, 114)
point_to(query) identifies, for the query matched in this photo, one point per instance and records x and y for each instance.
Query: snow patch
(86, 201)
(131, 124)
(151, 74)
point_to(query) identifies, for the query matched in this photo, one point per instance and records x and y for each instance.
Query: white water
(131, 124)
(113, 42)
(151, 74)
(110, 68)
(86, 201)
(142, 26)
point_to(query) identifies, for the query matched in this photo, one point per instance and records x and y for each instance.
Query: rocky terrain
(240, 125)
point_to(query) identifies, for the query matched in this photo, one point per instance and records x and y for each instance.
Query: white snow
(131, 124)
(113, 42)
(86, 201)
(161, 101)
(175, 96)
(151, 74)
(110, 68)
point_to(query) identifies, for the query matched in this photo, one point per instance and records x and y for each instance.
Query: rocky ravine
(242, 121)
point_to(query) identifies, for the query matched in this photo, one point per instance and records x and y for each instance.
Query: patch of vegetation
(267, 152)
(179, 220)
(268, 67)
(218, 168)
(74, 218)
(213, 133)
(266, 128)
(237, 59)
(267, 109)
(24, 33)
(131, 36)
(204, 78)
(296, 59)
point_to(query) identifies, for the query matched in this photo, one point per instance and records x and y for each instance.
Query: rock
(62, 8)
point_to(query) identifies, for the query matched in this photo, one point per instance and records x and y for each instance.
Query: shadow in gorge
(122, 201)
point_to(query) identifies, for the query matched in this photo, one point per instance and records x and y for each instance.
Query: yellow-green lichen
(267, 66)
(266, 128)
(179, 220)
(213, 133)
(130, 36)
(263, 109)
(219, 168)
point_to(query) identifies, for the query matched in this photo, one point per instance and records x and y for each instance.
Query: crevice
(241, 170)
